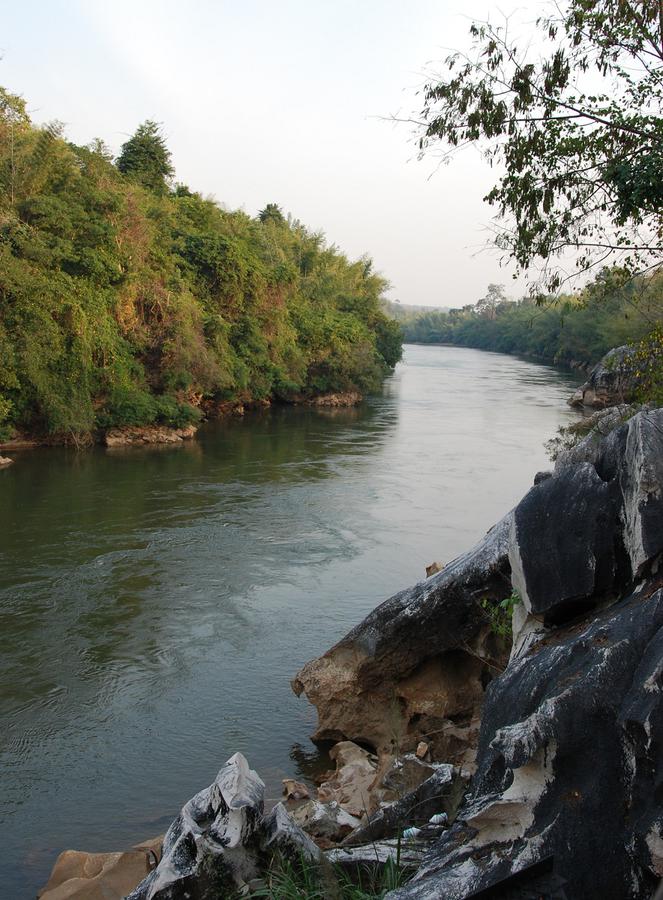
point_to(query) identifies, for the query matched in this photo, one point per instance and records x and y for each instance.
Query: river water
(155, 603)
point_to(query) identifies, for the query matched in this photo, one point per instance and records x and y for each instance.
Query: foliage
(146, 158)
(570, 114)
(307, 881)
(500, 614)
(272, 213)
(123, 301)
(599, 424)
(648, 362)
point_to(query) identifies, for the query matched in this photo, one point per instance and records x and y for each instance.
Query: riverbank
(140, 435)
(189, 583)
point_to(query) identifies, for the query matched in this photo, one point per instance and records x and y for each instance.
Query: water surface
(155, 603)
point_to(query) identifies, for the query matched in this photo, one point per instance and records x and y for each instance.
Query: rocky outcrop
(568, 765)
(569, 768)
(134, 435)
(574, 520)
(418, 666)
(221, 841)
(440, 792)
(345, 398)
(613, 380)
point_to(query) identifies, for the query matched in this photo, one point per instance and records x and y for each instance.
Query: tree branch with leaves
(570, 117)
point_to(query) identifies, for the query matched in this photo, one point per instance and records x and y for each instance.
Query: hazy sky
(279, 102)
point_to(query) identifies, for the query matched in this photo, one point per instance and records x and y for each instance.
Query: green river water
(155, 603)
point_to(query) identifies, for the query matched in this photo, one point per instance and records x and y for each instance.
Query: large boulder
(562, 544)
(569, 766)
(222, 840)
(613, 380)
(641, 483)
(417, 666)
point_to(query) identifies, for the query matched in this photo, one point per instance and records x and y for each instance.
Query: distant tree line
(614, 309)
(126, 298)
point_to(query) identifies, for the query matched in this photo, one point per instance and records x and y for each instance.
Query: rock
(19, 442)
(370, 859)
(295, 790)
(221, 841)
(542, 476)
(569, 765)
(417, 667)
(422, 750)
(132, 435)
(100, 876)
(347, 398)
(640, 477)
(434, 568)
(613, 380)
(5, 461)
(627, 449)
(402, 776)
(282, 836)
(353, 780)
(575, 518)
(440, 792)
(324, 820)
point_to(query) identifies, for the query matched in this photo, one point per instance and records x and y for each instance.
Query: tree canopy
(570, 115)
(123, 301)
(146, 158)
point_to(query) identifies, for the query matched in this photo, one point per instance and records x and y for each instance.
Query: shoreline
(153, 434)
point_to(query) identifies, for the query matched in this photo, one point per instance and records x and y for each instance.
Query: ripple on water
(154, 606)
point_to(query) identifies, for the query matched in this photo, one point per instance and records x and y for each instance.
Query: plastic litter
(439, 819)
(411, 833)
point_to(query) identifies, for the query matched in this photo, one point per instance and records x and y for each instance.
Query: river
(155, 603)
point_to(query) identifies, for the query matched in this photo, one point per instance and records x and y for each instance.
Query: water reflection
(154, 603)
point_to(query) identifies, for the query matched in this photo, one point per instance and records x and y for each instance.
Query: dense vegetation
(611, 311)
(127, 300)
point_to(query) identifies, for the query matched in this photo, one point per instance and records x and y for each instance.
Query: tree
(271, 213)
(146, 158)
(487, 306)
(571, 116)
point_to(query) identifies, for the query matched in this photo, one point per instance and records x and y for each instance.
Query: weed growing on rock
(499, 614)
(308, 881)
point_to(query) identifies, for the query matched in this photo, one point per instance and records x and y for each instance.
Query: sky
(287, 102)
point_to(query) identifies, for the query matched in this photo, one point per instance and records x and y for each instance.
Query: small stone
(422, 750)
(295, 790)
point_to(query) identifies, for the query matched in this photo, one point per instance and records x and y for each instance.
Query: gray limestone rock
(221, 840)
(612, 380)
(417, 666)
(569, 766)
(562, 548)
